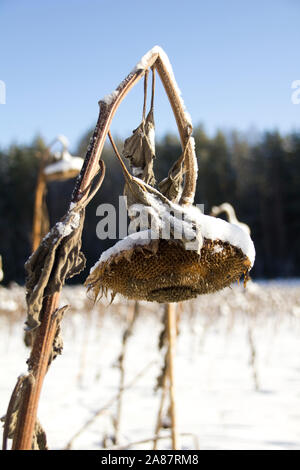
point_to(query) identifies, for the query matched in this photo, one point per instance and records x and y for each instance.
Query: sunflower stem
(171, 331)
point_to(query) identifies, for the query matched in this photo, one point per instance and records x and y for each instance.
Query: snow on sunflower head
(173, 251)
(65, 166)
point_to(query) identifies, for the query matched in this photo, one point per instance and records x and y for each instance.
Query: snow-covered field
(237, 369)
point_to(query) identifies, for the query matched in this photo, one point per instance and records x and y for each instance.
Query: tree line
(260, 178)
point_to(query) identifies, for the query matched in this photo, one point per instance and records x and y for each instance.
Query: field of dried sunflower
(237, 370)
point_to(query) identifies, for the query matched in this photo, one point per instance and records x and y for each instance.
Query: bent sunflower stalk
(58, 256)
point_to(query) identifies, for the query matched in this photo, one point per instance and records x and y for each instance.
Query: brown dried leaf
(171, 187)
(140, 150)
(57, 258)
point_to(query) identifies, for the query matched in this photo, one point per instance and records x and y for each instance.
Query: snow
(182, 223)
(67, 162)
(63, 140)
(108, 99)
(137, 170)
(231, 216)
(138, 238)
(64, 229)
(192, 140)
(163, 222)
(217, 249)
(216, 396)
(72, 205)
(213, 228)
(142, 64)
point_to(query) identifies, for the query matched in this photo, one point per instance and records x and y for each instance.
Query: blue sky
(234, 62)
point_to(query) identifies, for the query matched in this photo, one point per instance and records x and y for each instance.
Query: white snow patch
(64, 229)
(213, 228)
(216, 396)
(138, 238)
(137, 170)
(142, 64)
(231, 216)
(108, 99)
(192, 140)
(190, 222)
(217, 249)
(66, 163)
(63, 140)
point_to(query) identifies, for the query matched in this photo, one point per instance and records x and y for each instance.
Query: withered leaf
(171, 187)
(140, 150)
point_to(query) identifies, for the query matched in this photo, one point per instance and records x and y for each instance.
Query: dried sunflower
(178, 252)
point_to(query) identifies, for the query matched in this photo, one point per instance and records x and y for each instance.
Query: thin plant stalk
(126, 335)
(38, 204)
(161, 407)
(165, 379)
(253, 355)
(171, 331)
(85, 344)
(151, 439)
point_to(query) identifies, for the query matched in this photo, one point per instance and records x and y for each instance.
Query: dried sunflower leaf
(171, 187)
(39, 440)
(140, 150)
(57, 258)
